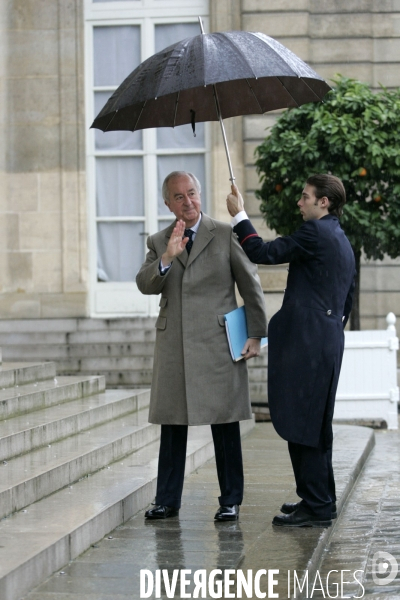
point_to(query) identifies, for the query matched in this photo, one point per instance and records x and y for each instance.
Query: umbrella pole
(232, 177)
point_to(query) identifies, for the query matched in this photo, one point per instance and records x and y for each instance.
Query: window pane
(164, 224)
(119, 187)
(114, 140)
(116, 53)
(166, 35)
(194, 163)
(120, 249)
(181, 137)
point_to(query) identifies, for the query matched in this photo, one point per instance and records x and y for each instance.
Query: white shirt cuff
(241, 216)
(163, 269)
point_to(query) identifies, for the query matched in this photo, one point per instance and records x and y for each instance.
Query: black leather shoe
(299, 518)
(161, 512)
(227, 513)
(289, 507)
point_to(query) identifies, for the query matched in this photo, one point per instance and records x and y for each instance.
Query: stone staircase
(75, 462)
(119, 349)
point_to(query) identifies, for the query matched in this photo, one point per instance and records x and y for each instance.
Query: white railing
(368, 387)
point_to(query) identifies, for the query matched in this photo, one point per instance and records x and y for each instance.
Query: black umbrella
(210, 77)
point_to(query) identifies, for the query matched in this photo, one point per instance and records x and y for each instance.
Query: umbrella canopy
(242, 72)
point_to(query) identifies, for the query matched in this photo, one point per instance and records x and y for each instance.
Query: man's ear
(325, 202)
(167, 204)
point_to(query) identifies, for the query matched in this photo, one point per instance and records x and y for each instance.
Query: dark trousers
(315, 483)
(172, 458)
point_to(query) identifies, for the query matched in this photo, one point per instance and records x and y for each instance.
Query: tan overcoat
(195, 381)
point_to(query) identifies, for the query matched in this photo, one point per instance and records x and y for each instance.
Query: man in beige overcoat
(194, 264)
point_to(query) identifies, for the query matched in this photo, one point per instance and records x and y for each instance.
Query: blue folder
(236, 331)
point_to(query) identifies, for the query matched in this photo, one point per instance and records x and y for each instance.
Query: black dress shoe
(227, 513)
(299, 518)
(289, 507)
(161, 512)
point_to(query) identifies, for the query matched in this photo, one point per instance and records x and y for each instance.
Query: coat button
(328, 312)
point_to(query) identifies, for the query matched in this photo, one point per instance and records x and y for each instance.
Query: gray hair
(164, 189)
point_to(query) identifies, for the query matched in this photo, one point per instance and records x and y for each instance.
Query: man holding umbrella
(306, 339)
(194, 264)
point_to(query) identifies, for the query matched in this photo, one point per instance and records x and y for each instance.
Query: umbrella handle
(232, 177)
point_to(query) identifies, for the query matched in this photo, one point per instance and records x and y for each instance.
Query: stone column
(42, 207)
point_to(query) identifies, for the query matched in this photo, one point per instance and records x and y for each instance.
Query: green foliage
(355, 135)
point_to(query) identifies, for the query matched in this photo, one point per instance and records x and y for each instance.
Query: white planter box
(367, 387)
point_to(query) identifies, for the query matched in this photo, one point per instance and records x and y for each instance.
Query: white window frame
(146, 14)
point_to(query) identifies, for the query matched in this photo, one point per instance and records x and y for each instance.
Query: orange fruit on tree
(362, 172)
(278, 187)
(377, 198)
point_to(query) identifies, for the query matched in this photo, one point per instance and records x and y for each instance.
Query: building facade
(76, 204)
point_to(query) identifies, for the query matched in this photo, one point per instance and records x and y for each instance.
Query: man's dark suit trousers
(172, 457)
(315, 483)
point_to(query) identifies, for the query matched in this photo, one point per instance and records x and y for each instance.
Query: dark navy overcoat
(305, 337)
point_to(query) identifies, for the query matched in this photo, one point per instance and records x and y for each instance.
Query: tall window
(126, 170)
(120, 214)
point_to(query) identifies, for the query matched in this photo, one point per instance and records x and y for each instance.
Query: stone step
(259, 361)
(94, 364)
(102, 336)
(142, 378)
(117, 379)
(42, 394)
(258, 391)
(129, 377)
(25, 433)
(103, 364)
(59, 351)
(71, 325)
(258, 374)
(18, 373)
(58, 528)
(109, 324)
(33, 476)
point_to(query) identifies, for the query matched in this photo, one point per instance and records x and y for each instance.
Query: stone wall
(42, 149)
(357, 38)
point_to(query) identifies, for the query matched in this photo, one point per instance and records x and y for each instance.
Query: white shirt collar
(195, 227)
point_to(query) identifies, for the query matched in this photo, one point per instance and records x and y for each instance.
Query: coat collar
(329, 216)
(203, 237)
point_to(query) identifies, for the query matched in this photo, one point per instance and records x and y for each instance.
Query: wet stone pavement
(369, 522)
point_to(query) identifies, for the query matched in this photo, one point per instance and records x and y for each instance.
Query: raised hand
(234, 201)
(176, 244)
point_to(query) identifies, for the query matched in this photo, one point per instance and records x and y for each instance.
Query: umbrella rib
(284, 86)
(111, 120)
(176, 106)
(311, 90)
(140, 114)
(243, 57)
(254, 94)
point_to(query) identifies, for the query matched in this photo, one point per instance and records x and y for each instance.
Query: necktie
(189, 234)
